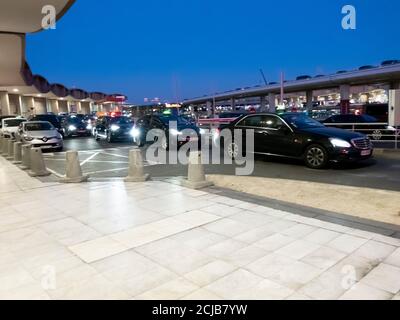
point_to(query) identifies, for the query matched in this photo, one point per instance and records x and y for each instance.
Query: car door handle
(262, 132)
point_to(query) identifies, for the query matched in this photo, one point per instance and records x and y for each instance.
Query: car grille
(362, 143)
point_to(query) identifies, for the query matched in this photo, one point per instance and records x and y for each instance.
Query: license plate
(366, 152)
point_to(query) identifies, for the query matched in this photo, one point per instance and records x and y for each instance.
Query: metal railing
(381, 134)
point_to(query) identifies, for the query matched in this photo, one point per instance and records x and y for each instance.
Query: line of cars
(291, 135)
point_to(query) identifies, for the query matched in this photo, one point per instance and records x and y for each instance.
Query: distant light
(15, 90)
(39, 95)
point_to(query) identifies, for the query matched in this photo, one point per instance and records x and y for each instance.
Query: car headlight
(114, 127)
(202, 131)
(27, 138)
(135, 132)
(89, 127)
(175, 132)
(339, 143)
(71, 128)
(391, 128)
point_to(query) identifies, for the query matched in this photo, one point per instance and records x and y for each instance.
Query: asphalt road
(103, 160)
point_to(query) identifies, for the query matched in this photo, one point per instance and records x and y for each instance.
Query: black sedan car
(362, 123)
(177, 130)
(73, 126)
(52, 118)
(113, 128)
(295, 135)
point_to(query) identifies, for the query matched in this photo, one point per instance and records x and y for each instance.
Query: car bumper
(122, 136)
(51, 144)
(351, 155)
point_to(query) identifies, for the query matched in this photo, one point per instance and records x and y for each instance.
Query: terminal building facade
(24, 93)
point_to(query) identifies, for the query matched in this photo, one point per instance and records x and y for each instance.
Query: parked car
(113, 128)
(294, 135)
(41, 134)
(362, 123)
(53, 119)
(73, 126)
(1, 121)
(10, 126)
(184, 132)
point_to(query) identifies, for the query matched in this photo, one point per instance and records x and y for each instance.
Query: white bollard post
(26, 157)
(10, 152)
(17, 153)
(74, 170)
(38, 167)
(196, 176)
(136, 167)
(4, 149)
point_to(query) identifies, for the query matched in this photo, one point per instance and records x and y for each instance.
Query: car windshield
(301, 121)
(52, 119)
(75, 120)
(38, 126)
(13, 122)
(178, 119)
(121, 120)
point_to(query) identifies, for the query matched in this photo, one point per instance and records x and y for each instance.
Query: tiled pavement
(155, 240)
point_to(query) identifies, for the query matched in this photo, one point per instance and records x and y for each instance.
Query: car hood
(42, 134)
(334, 133)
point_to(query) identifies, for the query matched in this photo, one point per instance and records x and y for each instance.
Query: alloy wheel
(315, 157)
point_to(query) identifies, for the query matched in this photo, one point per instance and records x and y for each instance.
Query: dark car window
(38, 126)
(253, 121)
(301, 121)
(271, 122)
(370, 119)
(49, 118)
(166, 119)
(74, 120)
(120, 120)
(14, 122)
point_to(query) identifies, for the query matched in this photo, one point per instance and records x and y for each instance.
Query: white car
(41, 134)
(10, 126)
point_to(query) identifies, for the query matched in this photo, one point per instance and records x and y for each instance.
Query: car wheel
(316, 157)
(232, 149)
(377, 134)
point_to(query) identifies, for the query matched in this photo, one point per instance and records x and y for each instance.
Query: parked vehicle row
(292, 135)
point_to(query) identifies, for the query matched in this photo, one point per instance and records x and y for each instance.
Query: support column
(344, 99)
(263, 104)
(4, 104)
(310, 98)
(209, 107)
(272, 102)
(54, 107)
(27, 106)
(233, 104)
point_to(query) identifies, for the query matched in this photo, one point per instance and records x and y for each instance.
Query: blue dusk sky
(177, 49)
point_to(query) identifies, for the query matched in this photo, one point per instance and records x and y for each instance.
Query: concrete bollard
(4, 149)
(196, 176)
(136, 167)
(26, 157)
(17, 153)
(74, 170)
(1, 142)
(10, 153)
(38, 168)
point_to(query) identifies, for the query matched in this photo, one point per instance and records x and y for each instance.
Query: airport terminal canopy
(25, 16)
